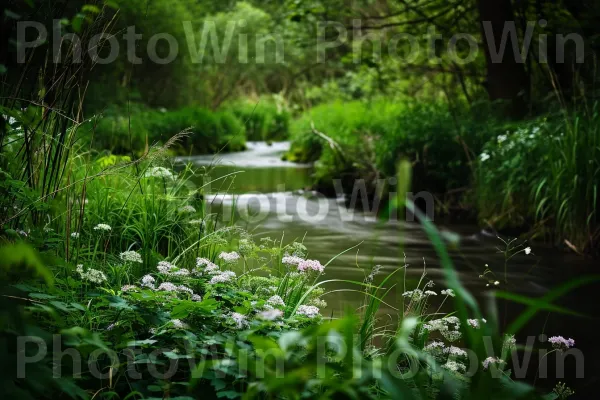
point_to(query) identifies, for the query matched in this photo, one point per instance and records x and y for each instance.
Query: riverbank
(538, 177)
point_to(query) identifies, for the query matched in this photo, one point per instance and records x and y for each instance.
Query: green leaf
(41, 296)
(91, 9)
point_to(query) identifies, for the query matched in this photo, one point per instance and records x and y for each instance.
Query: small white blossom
(270, 315)
(473, 323)
(291, 260)
(103, 227)
(223, 277)
(484, 157)
(178, 324)
(455, 351)
(92, 275)
(454, 366)
(491, 361)
(148, 281)
(182, 288)
(127, 288)
(430, 293)
(167, 287)
(196, 297)
(160, 172)
(229, 258)
(528, 250)
(276, 301)
(434, 347)
(131, 256)
(502, 138)
(448, 292)
(75, 235)
(186, 210)
(309, 311)
(239, 320)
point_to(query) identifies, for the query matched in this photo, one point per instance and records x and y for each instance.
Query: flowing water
(275, 191)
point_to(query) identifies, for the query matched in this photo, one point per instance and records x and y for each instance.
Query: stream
(276, 192)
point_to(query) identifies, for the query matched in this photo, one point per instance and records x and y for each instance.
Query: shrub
(367, 140)
(209, 131)
(548, 171)
(264, 119)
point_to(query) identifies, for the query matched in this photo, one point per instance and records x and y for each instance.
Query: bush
(264, 120)
(549, 172)
(370, 138)
(209, 131)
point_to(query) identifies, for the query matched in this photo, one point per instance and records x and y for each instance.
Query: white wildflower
(75, 235)
(455, 351)
(435, 347)
(92, 275)
(270, 315)
(491, 361)
(430, 293)
(291, 260)
(131, 256)
(103, 227)
(127, 288)
(178, 324)
(160, 172)
(502, 138)
(186, 210)
(239, 320)
(454, 366)
(415, 295)
(448, 292)
(496, 283)
(229, 258)
(484, 157)
(183, 288)
(473, 323)
(510, 343)
(528, 250)
(196, 297)
(167, 287)
(276, 301)
(148, 281)
(309, 311)
(223, 277)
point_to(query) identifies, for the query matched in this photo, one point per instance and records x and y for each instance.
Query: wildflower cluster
(91, 275)
(131, 256)
(309, 311)
(560, 343)
(310, 265)
(160, 172)
(229, 258)
(103, 228)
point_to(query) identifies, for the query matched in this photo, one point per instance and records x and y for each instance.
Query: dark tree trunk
(506, 78)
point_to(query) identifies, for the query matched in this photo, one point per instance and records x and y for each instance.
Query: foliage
(549, 172)
(367, 139)
(264, 119)
(125, 132)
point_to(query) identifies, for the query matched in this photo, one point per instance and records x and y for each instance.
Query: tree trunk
(506, 78)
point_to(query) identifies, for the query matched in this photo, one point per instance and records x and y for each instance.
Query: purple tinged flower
(310, 265)
(560, 343)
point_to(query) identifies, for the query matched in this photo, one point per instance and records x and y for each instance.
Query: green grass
(264, 119)
(125, 131)
(367, 139)
(548, 171)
